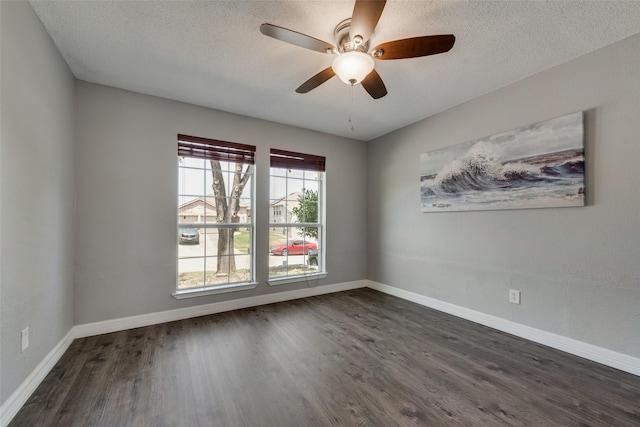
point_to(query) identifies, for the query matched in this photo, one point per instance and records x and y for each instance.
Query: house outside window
(297, 217)
(215, 216)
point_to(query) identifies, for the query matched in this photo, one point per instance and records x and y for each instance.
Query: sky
(550, 136)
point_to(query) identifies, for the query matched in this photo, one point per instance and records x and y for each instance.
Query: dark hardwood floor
(356, 358)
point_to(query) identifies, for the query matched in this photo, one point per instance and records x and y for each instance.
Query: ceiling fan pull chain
(351, 110)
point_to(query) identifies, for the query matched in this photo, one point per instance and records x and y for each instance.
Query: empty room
(319, 213)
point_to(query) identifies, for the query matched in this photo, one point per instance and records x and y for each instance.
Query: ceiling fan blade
(374, 85)
(316, 80)
(414, 47)
(296, 38)
(364, 19)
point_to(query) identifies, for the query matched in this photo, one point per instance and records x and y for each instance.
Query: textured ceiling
(212, 53)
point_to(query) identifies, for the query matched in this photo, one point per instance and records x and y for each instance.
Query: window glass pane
(290, 250)
(278, 188)
(191, 182)
(191, 242)
(294, 184)
(189, 210)
(211, 271)
(228, 172)
(191, 162)
(311, 185)
(208, 209)
(295, 173)
(243, 241)
(243, 268)
(190, 273)
(289, 203)
(307, 211)
(311, 235)
(244, 214)
(223, 264)
(280, 172)
(210, 238)
(291, 266)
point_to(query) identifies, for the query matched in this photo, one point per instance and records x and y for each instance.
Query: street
(242, 260)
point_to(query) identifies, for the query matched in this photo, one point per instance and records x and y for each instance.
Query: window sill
(200, 292)
(296, 279)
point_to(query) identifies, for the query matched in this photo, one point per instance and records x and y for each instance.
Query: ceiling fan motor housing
(344, 41)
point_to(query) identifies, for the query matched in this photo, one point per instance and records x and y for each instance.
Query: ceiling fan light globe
(353, 66)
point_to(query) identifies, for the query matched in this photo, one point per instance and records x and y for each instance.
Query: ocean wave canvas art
(535, 166)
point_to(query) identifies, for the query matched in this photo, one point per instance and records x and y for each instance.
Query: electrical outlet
(25, 338)
(514, 296)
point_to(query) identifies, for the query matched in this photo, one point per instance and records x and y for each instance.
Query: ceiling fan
(355, 62)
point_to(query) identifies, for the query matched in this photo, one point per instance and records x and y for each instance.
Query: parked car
(293, 247)
(313, 257)
(189, 236)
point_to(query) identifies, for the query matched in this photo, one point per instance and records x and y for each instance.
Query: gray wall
(578, 268)
(36, 194)
(126, 199)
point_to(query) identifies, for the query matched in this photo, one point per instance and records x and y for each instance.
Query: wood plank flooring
(355, 358)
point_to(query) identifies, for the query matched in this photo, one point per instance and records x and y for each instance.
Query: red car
(293, 247)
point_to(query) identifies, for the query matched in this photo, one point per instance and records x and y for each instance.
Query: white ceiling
(212, 53)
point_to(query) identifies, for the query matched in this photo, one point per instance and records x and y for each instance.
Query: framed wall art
(535, 166)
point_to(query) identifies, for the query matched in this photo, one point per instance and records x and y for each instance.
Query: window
(215, 216)
(296, 233)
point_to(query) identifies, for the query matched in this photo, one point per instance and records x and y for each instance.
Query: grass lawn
(195, 278)
(276, 239)
(241, 240)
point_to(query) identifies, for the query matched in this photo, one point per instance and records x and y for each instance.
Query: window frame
(282, 159)
(231, 153)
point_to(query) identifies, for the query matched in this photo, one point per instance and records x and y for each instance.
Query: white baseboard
(12, 405)
(588, 351)
(115, 325)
